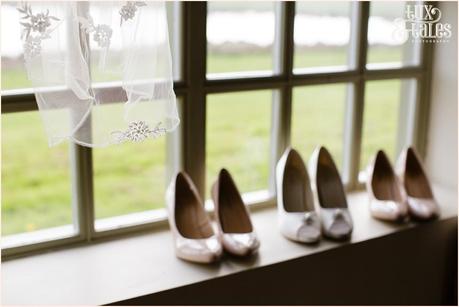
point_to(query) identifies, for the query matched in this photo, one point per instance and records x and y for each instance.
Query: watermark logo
(422, 23)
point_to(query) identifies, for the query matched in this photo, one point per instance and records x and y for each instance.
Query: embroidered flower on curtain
(32, 46)
(36, 23)
(101, 33)
(138, 132)
(129, 9)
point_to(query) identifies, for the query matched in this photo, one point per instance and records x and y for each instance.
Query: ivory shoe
(329, 193)
(420, 199)
(194, 238)
(236, 231)
(386, 194)
(298, 220)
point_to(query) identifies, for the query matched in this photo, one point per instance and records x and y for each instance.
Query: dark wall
(417, 266)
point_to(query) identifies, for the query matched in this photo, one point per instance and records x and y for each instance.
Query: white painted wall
(442, 138)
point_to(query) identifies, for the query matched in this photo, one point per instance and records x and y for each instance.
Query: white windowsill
(120, 269)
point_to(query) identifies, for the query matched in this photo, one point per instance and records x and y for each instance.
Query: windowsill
(130, 267)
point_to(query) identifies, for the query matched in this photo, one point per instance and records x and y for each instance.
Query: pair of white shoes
(300, 198)
(396, 194)
(194, 237)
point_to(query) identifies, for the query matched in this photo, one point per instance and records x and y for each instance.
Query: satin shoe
(330, 196)
(386, 194)
(298, 220)
(194, 238)
(235, 228)
(419, 196)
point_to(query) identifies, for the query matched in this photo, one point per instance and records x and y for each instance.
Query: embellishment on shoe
(102, 33)
(38, 24)
(338, 214)
(308, 218)
(137, 132)
(129, 9)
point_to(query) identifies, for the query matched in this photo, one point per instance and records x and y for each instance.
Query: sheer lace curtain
(69, 47)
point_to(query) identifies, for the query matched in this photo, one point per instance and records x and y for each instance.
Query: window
(383, 46)
(36, 190)
(247, 88)
(237, 138)
(322, 34)
(67, 193)
(384, 118)
(245, 46)
(128, 178)
(318, 119)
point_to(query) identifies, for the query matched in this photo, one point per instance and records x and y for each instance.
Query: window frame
(186, 147)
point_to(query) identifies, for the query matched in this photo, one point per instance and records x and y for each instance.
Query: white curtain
(74, 49)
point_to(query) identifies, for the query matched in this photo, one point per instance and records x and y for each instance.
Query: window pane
(384, 46)
(13, 71)
(238, 138)
(322, 33)
(383, 102)
(240, 36)
(36, 187)
(128, 177)
(319, 121)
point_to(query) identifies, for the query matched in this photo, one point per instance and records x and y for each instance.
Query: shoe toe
(339, 229)
(301, 227)
(240, 244)
(423, 208)
(308, 233)
(337, 223)
(388, 210)
(200, 250)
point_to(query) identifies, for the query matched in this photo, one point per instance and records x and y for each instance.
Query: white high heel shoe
(235, 227)
(329, 193)
(194, 238)
(386, 194)
(298, 220)
(419, 196)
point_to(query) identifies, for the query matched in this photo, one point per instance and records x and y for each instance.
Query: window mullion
(282, 99)
(287, 26)
(81, 163)
(422, 109)
(356, 92)
(82, 184)
(407, 113)
(194, 120)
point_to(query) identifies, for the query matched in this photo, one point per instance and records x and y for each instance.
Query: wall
(441, 155)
